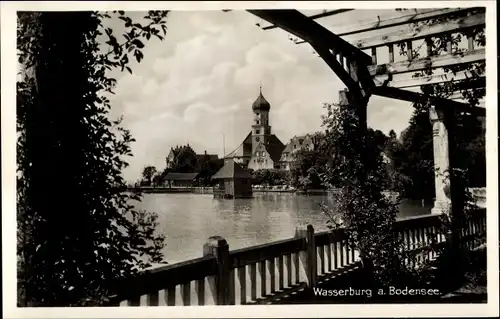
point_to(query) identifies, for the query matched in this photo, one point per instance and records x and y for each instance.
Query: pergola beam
(418, 16)
(310, 31)
(410, 96)
(324, 41)
(436, 61)
(424, 80)
(338, 69)
(412, 34)
(316, 16)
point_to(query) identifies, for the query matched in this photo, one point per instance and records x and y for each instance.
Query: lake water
(187, 220)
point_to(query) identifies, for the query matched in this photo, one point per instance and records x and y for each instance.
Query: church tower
(261, 130)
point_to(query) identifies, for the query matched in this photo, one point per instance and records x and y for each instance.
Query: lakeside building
(180, 179)
(201, 159)
(233, 181)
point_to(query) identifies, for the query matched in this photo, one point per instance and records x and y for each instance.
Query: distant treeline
(408, 161)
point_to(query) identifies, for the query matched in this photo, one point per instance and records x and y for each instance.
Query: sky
(198, 85)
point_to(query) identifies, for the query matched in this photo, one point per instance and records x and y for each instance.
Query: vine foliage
(77, 232)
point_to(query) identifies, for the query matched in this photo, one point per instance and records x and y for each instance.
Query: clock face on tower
(257, 139)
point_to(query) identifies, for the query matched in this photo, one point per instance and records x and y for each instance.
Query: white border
(8, 98)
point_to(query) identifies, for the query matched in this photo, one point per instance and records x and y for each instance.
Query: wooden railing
(272, 272)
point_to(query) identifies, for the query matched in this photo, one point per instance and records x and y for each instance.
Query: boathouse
(233, 181)
(180, 179)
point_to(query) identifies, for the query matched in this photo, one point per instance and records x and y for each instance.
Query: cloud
(200, 82)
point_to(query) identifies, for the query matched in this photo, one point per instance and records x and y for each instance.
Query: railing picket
(170, 295)
(263, 281)
(472, 234)
(281, 284)
(408, 245)
(232, 287)
(427, 231)
(353, 251)
(321, 252)
(335, 255)
(329, 256)
(253, 282)
(134, 302)
(435, 233)
(152, 298)
(296, 261)
(200, 291)
(476, 232)
(465, 235)
(242, 279)
(423, 232)
(186, 293)
(341, 250)
(289, 281)
(347, 252)
(272, 274)
(414, 245)
(418, 234)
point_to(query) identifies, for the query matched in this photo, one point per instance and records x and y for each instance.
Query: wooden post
(374, 56)
(308, 257)
(429, 44)
(470, 42)
(409, 45)
(391, 53)
(217, 246)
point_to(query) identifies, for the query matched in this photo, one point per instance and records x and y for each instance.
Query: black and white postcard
(255, 159)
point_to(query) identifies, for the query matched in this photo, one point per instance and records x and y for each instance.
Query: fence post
(218, 247)
(308, 257)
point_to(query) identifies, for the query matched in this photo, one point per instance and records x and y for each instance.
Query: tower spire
(260, 87)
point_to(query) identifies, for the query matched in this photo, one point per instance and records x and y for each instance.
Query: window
(257, 121)
(257, 131)
(294, 146)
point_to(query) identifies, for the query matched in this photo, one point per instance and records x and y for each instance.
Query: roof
(244, 149)
(180, 176)
(274, 147)
(289, 148)
(261, 103)
(231, 169)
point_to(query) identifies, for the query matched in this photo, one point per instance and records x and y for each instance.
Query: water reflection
(187, 220)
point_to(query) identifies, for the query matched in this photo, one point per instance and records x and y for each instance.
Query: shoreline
(209, 190)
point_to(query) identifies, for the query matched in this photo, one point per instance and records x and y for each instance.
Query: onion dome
(261, 103)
